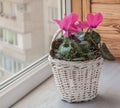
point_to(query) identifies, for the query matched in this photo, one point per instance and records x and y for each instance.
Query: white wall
(24, 41)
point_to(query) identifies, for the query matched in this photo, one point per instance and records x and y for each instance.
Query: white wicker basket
(76, 81)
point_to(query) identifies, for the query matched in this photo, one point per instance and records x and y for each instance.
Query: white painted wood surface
(46, 95)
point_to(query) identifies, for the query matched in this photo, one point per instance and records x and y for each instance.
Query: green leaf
(66, 41)
(65, 48)
(87, 37)
(106, 54)
(76, 46)
(85, 46)
(91, 55)
(96, 37)
(81, 35)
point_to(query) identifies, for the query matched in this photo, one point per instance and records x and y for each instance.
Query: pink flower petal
(98, 19)
(74, 17)
(90, 19)
(58, 22)
(94, 20)
(68, 24)
(83, 24)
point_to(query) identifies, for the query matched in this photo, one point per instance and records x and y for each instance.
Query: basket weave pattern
(77, 81)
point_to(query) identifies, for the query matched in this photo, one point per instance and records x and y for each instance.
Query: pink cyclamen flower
(69, 24)
(83, 24)
(92, 21)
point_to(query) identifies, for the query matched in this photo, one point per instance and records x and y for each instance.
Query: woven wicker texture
(76, 81)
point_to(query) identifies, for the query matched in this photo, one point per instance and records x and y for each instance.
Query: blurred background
(26, 29)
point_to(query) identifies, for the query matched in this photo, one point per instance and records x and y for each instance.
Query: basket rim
(51, 58)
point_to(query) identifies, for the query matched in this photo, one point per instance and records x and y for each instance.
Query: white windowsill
(20, 87)
(46, 95)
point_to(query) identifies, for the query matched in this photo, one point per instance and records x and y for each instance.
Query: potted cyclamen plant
(77, 56)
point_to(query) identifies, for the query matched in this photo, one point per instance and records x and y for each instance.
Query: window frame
(23, 82)
(14, 10)
(5, 37)
(27, 79)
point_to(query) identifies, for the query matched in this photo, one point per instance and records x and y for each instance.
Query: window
(33, 39)
(22, 8)
(28, 66)
(10, 37)
(14, 10)
(8, 8)
(10, 65)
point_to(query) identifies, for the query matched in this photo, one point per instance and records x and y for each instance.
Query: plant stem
(87, 30)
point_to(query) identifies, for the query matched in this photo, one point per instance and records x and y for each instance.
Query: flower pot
(76, 81)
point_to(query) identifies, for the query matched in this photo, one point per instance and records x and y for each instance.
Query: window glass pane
(28, 37)
(10, 36)
(4, 35)
(14, 9)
